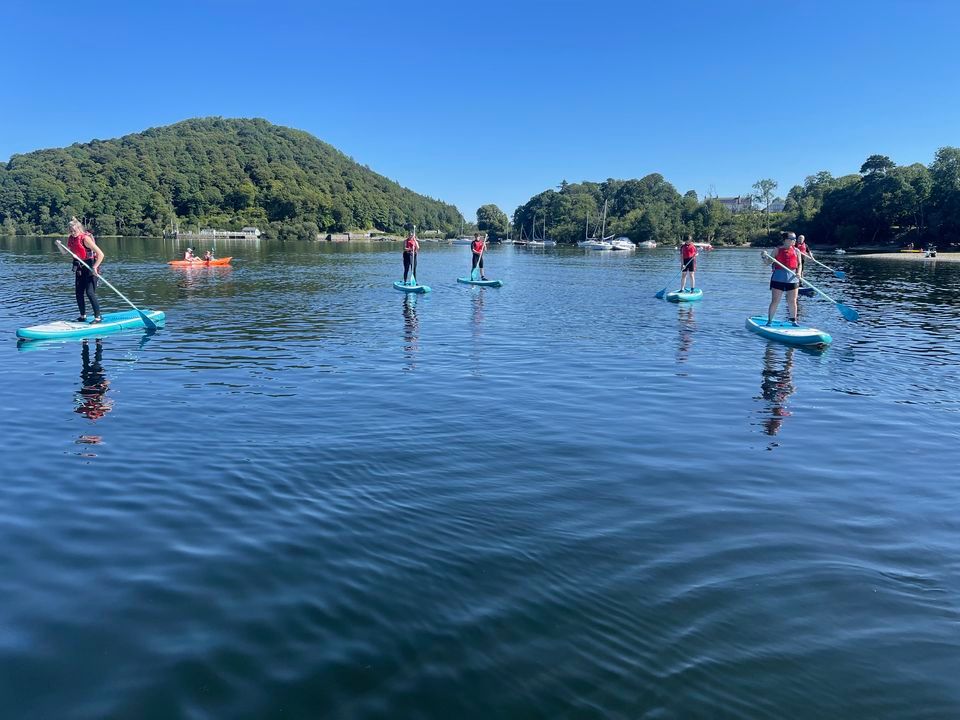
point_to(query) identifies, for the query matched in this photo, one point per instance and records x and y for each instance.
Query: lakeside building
(740, 203)
(247, 233)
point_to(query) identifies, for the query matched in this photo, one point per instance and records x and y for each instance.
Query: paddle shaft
(146, 320)
(839, 273)
(683, 269)
(847, 312)
(478, 269)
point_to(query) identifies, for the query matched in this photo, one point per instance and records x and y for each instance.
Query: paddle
(848, 312)
(475, 273)
(839, 274)
(659, 295)
(146, 320)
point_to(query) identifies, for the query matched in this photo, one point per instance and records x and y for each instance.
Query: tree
(764, 194)
(877, 164)
(493, 221)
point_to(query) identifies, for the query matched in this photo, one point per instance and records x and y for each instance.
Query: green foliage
(493, 221)
(209, 171)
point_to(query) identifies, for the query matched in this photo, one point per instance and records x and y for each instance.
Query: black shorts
(785, 286)
(690, 266)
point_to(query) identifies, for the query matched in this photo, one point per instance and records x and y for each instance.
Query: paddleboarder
(411, 249)
(804, 250)
(478, 246)
(785, 281)
(82, 244)
(688, 263)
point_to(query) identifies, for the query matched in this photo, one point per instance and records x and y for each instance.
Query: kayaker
(189, 256)
(478, 246)
(410, 250)
(688, 263)
(208, 256)
(82, 244)
(785, 281)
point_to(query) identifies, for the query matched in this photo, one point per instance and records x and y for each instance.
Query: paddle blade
(840, 274)
(660, 294)
(475, 274)
(848, 312)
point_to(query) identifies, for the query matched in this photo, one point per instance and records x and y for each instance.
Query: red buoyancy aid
(477, 246)
(789, 257)
(76, 245)
(688, 251)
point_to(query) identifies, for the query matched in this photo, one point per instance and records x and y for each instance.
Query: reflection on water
(90, 400)
(411, 330)
(776, 386)
(321, 550)
(686, 327)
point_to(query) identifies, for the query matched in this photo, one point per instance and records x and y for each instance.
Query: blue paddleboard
(481, 283)
(787, 332)
(410, 287)
(112, 322)
(685, 295)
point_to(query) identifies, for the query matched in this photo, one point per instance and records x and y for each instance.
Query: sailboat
(592, 243)
(543, 241)
(461, 240)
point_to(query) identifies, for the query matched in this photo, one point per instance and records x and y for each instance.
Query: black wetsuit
(85, 284)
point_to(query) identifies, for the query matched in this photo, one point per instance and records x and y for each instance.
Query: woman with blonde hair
(83, 246)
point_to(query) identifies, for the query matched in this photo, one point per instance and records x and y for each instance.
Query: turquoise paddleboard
(787, 332)
(685, 295)
(410, 287)
(112, 322)
(481, 283)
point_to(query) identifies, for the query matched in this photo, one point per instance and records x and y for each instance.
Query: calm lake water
(310, 496)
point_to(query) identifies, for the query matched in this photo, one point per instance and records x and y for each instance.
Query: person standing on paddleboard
(804, 251)
(82, 244)
(785, 281)
(410, 250)
(688, 263)
(478, 246)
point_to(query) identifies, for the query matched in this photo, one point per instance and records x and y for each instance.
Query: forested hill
(215, 172)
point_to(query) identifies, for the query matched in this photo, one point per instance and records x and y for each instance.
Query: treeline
(646, 209)
(883, 203)
(210, 172)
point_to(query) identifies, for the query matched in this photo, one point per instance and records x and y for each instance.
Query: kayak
(410, 287)
(112, 322)
(787, 332)
(481, 283)
(200, 263)
(685, 295)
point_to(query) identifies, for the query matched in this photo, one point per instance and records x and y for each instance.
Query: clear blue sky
(477, 102)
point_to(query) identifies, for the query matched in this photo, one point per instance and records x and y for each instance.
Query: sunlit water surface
(310, 496)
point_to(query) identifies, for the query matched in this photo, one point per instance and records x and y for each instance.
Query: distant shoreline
(953, 257)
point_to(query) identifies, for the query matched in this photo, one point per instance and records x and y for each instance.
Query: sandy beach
(912, 257)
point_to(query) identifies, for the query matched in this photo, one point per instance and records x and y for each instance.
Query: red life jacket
(688, 251)
(788, 256)
(409, 245)
(478, 246)
(76, 245)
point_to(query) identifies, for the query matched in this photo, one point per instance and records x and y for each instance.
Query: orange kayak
(200, 263)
